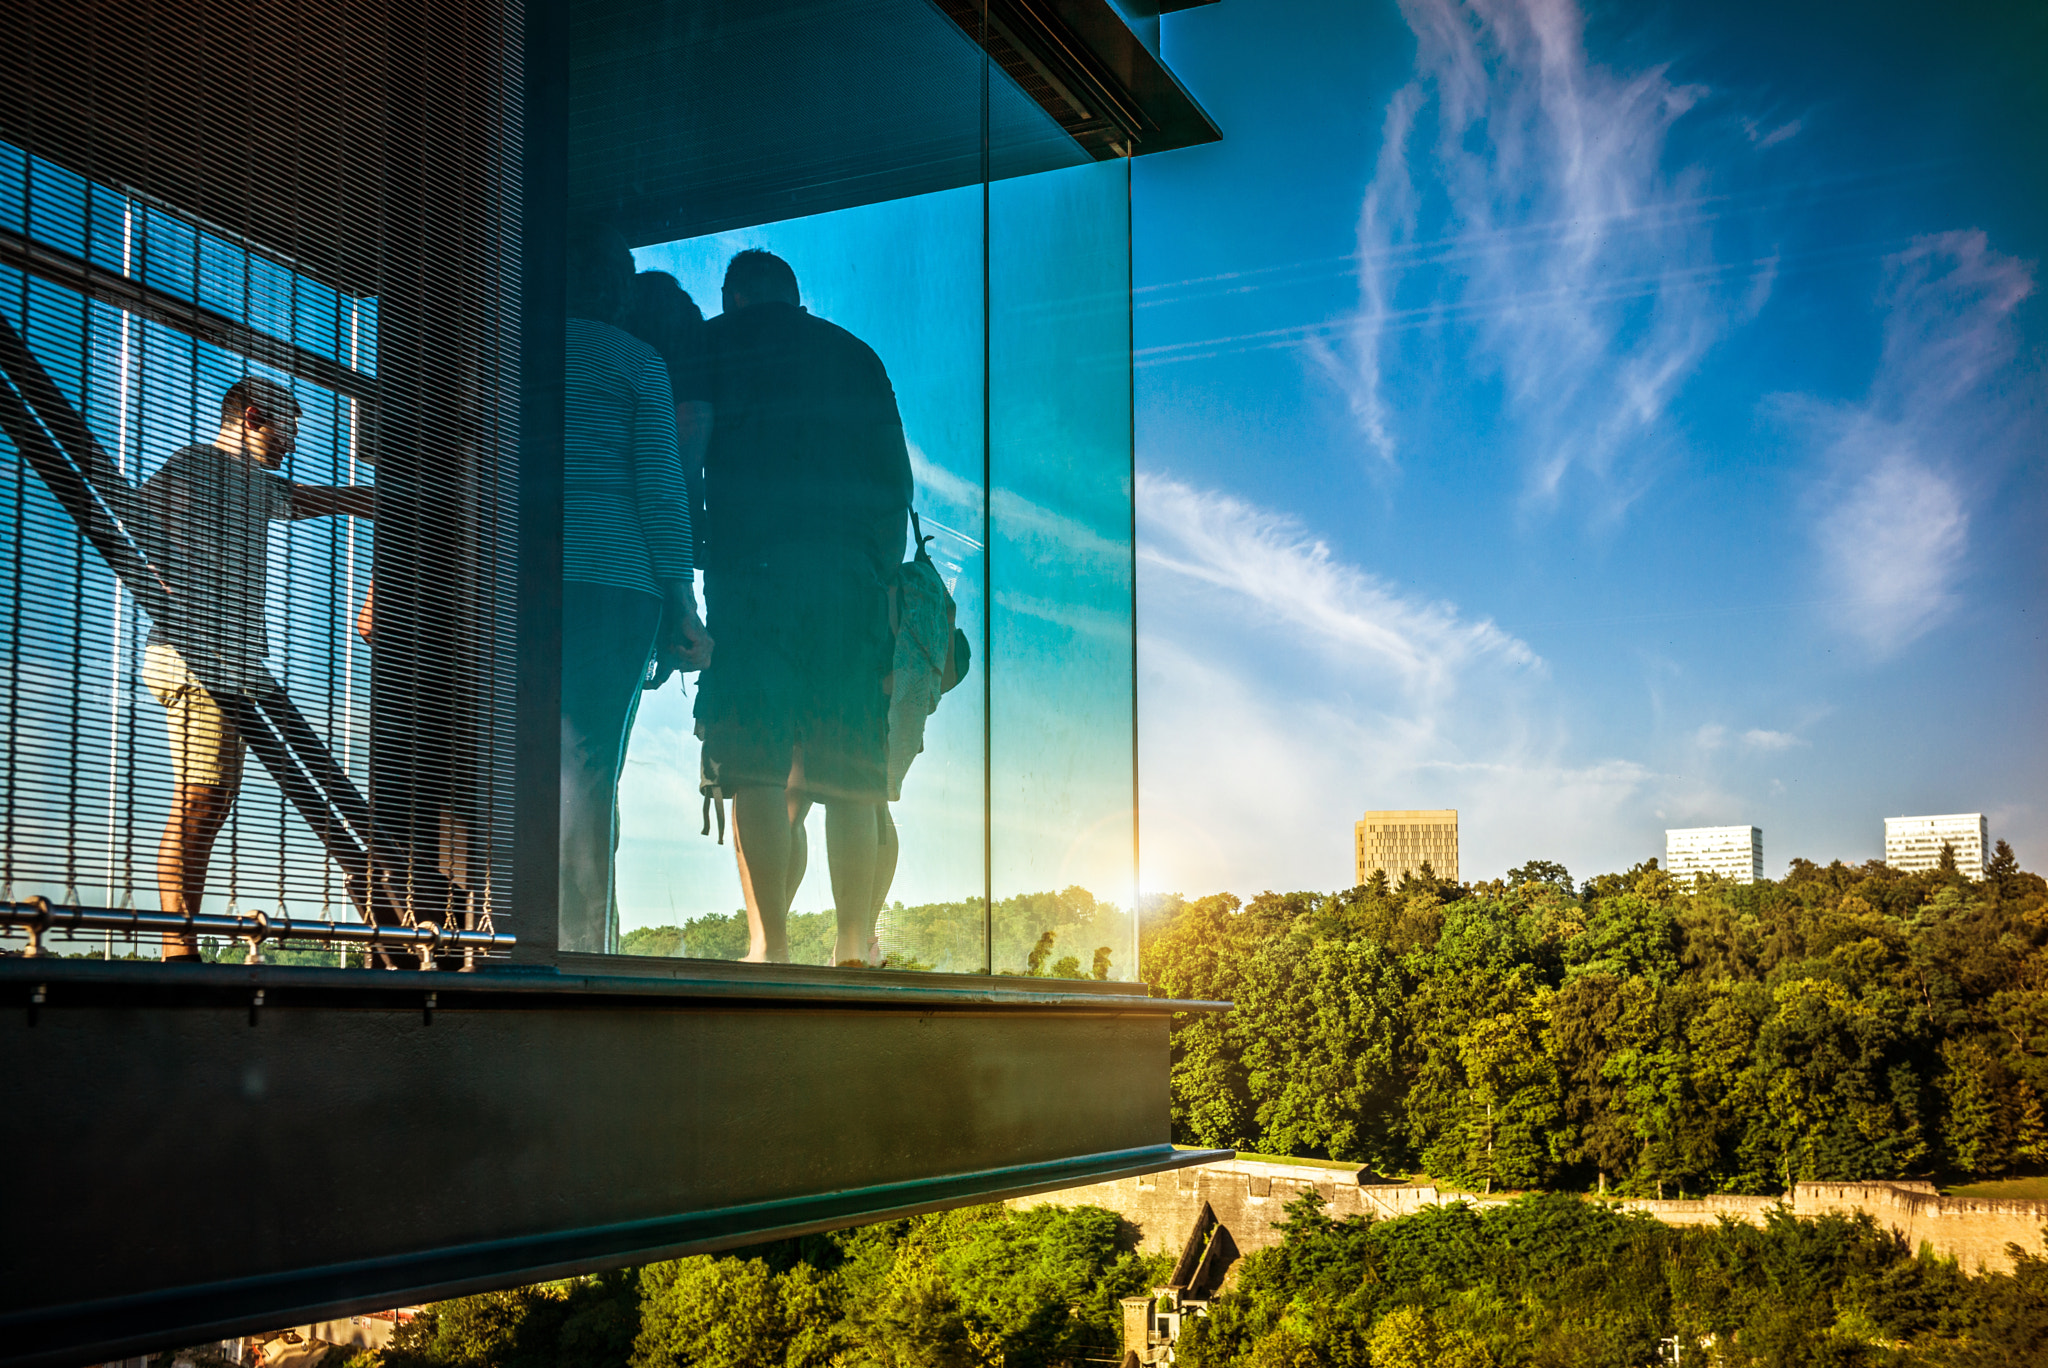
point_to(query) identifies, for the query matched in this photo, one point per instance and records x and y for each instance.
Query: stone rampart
(1250, 1198)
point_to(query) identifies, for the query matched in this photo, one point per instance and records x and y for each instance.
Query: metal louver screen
(323, 197)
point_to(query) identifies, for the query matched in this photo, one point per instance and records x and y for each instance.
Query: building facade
(1397, 841)
(580, 333)
(1735, 853)
(1914, 843)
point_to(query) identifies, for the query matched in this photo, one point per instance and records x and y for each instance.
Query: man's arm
(330, 501)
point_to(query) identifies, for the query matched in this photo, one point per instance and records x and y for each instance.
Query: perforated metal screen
(324, 197)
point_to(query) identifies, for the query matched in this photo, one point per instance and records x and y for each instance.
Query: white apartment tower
(1398, 840)
(1914, 843)
(1735, 853)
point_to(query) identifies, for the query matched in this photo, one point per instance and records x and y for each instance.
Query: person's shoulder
(197, 461)
(830, 336)
(608, 337)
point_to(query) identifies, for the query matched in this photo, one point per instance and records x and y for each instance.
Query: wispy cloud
(1901, 467)
(1565, 257)
(1283, 687)
(1758, 738)
(1299, 587)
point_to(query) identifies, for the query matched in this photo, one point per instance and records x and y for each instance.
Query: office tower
(1735, 853)
(1914, 843)
(1398, 840)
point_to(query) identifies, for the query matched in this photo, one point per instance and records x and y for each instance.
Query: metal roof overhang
(686, 119)
(691, 119)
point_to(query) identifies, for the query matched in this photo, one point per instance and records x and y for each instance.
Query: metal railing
(36, 917)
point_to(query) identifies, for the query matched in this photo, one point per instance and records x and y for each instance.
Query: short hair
(662, 314)
(253, 391)
(763, 277)
(600, 274)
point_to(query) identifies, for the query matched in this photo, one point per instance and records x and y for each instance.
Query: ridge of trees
(1552, 1280)
(1547, 1280)
(975, 1286)
(1844, 1022)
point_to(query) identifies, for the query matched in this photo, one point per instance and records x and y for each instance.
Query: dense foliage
(1558, 1280)
(1550, 1279)
(1841, 1023)
(978, 1286)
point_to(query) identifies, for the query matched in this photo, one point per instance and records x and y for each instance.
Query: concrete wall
(1250, 1198)
(1974, 1231)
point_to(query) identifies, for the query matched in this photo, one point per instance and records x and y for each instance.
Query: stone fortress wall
(1251, 1197)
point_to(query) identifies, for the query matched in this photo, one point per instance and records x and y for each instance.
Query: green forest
(1558, 1281)
(1544, 1281)
(976, 1286)
(1623, 1033)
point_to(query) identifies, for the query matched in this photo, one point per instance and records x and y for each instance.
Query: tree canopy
(1841, 1023)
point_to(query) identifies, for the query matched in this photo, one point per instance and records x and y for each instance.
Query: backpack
(932, 655)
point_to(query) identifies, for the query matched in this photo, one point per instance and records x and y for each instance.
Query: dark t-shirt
(204, 521)
(806, 454)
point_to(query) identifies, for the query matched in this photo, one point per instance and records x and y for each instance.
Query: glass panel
(804, 190)
(1063, 828)
(903, 277)
(834, 152)
(188, 506)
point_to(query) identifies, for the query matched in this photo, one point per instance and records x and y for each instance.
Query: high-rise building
(1735, 853)
(1398, 840)
(1914, 843)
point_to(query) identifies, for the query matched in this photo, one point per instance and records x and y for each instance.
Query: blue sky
(1596, 420)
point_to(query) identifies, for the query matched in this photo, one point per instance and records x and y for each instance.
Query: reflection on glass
(832, 414)
(628, 551)
(883, 285)
(806, 486)
(1061, 718)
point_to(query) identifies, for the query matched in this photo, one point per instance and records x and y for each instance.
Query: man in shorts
(204, 519)
(807, 493)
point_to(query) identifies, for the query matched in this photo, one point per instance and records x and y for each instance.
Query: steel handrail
(38, 916)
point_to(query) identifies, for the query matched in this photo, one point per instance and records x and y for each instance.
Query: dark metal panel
(1089, 71)
(213, 1142)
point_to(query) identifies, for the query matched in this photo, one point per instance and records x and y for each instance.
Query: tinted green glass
(942, 326)
(1061, 715)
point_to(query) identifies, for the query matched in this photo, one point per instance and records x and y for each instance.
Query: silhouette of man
(807, 489)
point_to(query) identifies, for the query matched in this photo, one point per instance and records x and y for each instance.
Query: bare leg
(198, 812)
(885, 874)
(762, 839)
(799, 844)
(853, 840)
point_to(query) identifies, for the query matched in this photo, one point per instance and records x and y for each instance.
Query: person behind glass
(205, 524)
(661, 313)
(806, 495)
(627, 567)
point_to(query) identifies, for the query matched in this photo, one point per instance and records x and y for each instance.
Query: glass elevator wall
(931, 213)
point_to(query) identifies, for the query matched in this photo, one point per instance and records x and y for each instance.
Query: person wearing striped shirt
(627, 570)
